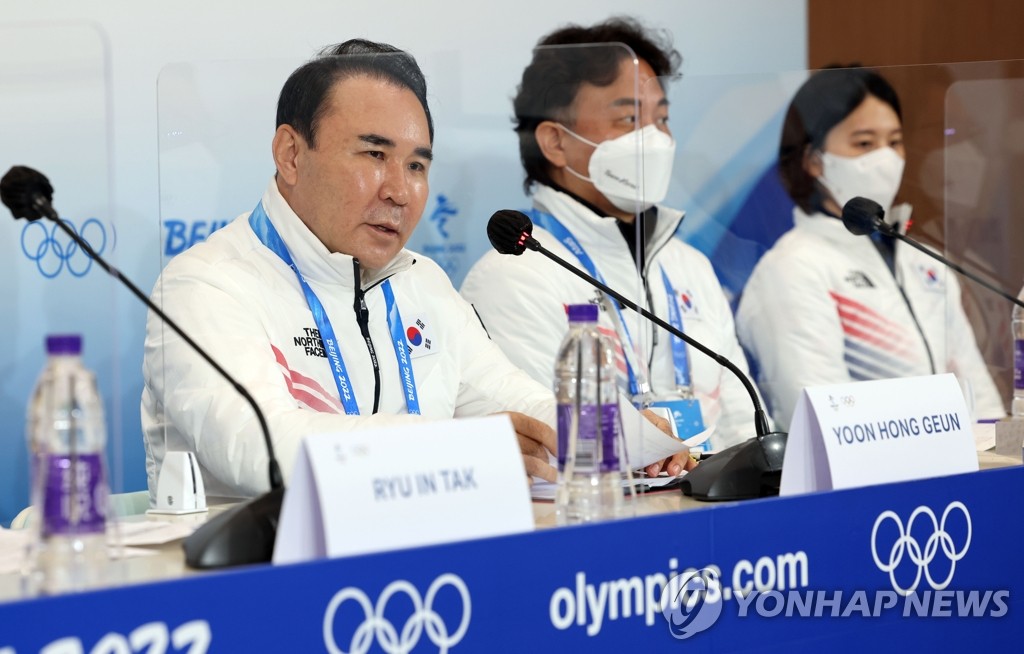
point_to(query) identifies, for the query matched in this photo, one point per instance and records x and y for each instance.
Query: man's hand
(536, 439)
(674, 465)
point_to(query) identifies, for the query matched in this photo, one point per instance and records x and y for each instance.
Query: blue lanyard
(269, 237)
(412, 401)
(679, 354)
(565, 237)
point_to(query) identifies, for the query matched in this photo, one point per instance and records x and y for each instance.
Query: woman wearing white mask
(589, 102)
(824, 306)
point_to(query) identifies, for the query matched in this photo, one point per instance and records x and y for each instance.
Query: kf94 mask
(616, 169)
(875, 175)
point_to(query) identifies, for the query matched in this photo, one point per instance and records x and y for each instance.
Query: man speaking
(311, 301)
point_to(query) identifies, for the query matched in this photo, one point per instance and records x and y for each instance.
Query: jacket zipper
(648, 257)
(363, 319)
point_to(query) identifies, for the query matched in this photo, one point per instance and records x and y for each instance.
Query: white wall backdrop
(155, 119)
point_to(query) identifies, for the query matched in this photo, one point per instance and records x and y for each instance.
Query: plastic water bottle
(590, 449)
(66, 437)
(1017, 407)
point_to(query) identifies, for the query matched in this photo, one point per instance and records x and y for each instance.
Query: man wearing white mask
(590, 102)
(824, 306)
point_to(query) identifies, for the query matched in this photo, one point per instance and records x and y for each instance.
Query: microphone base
(242, 535)
(744, 471)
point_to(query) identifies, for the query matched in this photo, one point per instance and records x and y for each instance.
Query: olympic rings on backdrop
(52, 250)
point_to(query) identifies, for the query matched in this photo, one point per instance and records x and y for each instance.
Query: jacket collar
(312, 258)
(598, 233)
(832, 228)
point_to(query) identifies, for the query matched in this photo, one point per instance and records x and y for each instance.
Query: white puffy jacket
(822, 307)
(238, 300)
(522, 303)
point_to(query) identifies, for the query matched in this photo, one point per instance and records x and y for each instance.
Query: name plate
(876, 432)
(384, 489)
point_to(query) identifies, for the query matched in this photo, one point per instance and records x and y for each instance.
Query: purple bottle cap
(582, 313)
(64, 344)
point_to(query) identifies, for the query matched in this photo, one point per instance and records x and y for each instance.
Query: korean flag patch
(419, 338)
(688, 308)
(931, 276)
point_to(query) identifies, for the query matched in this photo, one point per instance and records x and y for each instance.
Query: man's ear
(812, 162)
(550, 138)
(287, 147)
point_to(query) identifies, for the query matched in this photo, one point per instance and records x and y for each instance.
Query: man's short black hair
(303, 98)
(824, 101)
(552, 80)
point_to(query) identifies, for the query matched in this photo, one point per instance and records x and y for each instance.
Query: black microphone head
(22, 188)
(510, 232)
(863, 216)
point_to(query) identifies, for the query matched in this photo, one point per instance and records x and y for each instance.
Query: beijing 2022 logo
(53, 251)
(444, 250)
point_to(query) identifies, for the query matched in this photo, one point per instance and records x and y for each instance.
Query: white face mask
(613, 167)
(875, 175)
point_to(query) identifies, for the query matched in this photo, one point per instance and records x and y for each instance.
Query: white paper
(645, 443)
(984, 436)
(875, 432)
(382, 489)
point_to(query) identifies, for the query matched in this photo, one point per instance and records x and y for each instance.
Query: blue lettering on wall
(181, 235)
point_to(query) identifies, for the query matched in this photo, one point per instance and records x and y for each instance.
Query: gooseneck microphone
(862, 216)
(752, 468)
(242, 534)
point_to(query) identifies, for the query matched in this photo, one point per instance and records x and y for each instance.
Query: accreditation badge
(687, 417)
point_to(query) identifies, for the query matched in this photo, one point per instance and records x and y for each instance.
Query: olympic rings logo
(376, 627)
(53, 250)
(921, 557)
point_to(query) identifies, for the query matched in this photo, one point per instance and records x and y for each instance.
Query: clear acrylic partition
(596, 113)
(477, 169)
(962, 126)
(217, 119)
(726, 131)
(216, 122)
(978, 165)
(55, 85)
